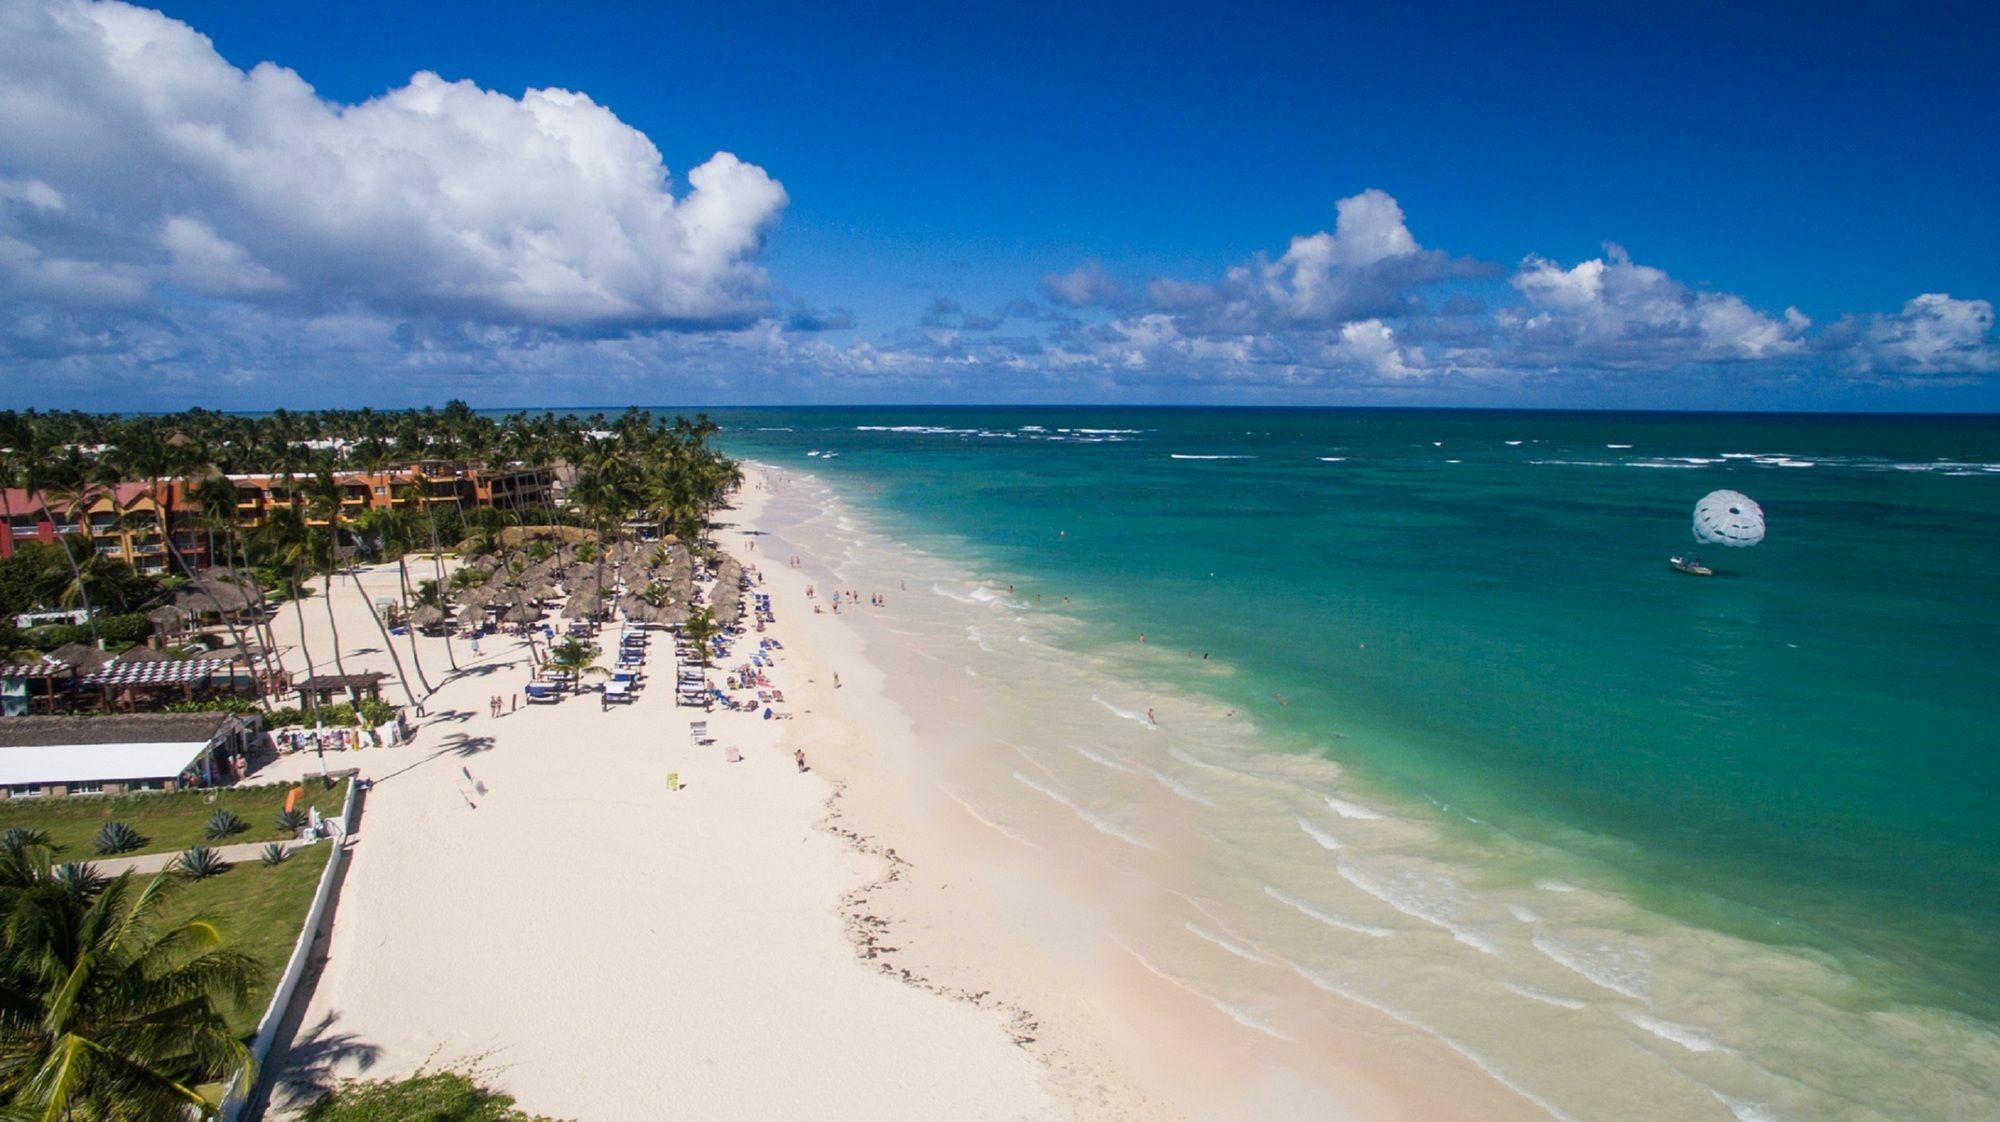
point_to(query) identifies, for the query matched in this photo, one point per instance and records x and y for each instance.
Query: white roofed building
(48, 757)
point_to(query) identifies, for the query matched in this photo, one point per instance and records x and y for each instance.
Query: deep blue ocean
(1475, 609)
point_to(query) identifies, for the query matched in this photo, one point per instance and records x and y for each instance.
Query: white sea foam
(1108, 829)
(1333, 459)
(1325, 917)
(1191, 456)
(1513, 444)
(1478, 1061)
(1179, 788)
(986, 596)
(1236, 949)
(1555, 886)
(1618, 446)
(1545, 998)
(985, 821)
(1745, 1111)
(950, 595)
(1128, 714)
(970, 672)
(973, 633)
(1348, 809)
(1522, 914)
(1100, 759)
(1687, 1036)
(1326, 840)
(1227, 1010)
(1192, 760)
(1430, 898)
(923, 430)
(1624, 972)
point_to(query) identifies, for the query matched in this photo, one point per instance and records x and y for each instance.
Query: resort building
(55, 757)
(123, 521)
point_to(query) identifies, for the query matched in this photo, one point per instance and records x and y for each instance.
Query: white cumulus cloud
(1611, 311)
(134, 157)
(1934, 334)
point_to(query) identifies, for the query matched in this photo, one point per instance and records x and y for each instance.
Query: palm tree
(73, 487)
(324, 495)
(388, 643)
(575, 657)
(285, 539)
(215, 501)
(110, 1012)
(701, 627)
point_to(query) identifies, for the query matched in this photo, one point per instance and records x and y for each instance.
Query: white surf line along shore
(527, 896)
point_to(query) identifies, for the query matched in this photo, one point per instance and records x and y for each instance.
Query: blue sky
(1800, 200)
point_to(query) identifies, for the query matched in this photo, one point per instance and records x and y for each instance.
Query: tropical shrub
(275, 854)
(294, 820)
(438, 1096)
(214, 705)
(81, 878)
(117, 837)
(23, 837)
(200, 863)
(223, 823)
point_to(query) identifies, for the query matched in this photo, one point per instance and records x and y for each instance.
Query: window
(24, 791)
(147, 785)
(86, 788)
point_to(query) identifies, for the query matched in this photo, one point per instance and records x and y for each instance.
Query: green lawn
(170, 821)
(259, 909)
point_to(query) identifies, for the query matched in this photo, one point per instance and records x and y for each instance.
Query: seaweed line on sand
(868, 932)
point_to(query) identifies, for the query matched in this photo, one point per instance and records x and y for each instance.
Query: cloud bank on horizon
(170, 223)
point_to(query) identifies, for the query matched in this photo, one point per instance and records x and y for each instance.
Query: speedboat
(1692, 566)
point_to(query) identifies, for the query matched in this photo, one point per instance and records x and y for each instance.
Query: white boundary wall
(295, 968)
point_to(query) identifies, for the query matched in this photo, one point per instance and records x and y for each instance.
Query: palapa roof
(212, 593)
(342, 681)
(427, 616)
(79, 656)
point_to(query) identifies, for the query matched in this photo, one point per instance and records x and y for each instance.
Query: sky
(1743, 206)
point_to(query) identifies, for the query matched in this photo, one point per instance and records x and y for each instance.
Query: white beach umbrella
(1728, 518)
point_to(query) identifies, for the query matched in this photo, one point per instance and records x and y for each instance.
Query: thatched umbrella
(427, 617)
(167, 619)
(211, 594)
(80, 657)
(728, 590)
(522, 613)
(581, 607)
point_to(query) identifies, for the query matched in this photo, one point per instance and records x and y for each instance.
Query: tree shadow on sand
(452, 744)
(311, 1066)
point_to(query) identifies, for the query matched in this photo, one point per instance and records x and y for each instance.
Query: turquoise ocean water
(1476, 611)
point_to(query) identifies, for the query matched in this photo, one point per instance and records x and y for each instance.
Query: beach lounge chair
(539, 694)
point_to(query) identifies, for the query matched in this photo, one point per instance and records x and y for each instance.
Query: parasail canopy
(1728, 518)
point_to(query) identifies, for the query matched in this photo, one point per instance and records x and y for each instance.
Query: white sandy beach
(527, 896)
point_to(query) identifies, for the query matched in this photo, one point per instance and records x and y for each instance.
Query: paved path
(154, 862)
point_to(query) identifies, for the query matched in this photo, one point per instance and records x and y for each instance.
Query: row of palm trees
(634, 468)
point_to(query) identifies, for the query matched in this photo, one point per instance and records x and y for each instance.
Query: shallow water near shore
(1631, 843)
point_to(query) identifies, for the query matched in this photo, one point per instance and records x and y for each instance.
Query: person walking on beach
(799, 758)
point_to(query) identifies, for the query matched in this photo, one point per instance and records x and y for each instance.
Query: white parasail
(1728, 518)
